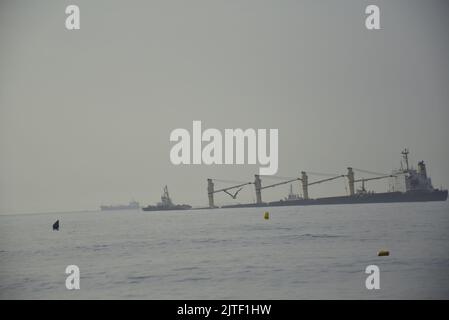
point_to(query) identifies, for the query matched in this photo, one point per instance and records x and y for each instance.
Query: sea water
(313, 252)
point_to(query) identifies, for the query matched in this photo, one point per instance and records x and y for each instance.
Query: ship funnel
(422, 168)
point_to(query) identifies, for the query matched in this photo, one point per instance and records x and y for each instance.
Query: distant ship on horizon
(132, 205)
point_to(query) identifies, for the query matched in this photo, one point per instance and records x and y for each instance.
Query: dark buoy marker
(56, 226)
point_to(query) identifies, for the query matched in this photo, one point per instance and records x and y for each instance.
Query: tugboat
(166, 204)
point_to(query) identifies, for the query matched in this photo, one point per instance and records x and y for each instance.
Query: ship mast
(165, 199)
(405, 156)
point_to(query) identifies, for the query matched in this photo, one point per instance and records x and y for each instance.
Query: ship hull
(176, 207)
(115, 208)
(386, 197)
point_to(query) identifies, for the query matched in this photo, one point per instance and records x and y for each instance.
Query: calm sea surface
(299, 253)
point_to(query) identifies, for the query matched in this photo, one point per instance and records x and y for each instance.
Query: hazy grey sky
(85, 115)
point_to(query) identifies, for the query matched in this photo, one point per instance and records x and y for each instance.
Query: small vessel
(56, 226)
(132, 205)
(166, 204)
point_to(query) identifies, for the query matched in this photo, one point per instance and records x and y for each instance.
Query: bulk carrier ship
(407, 185)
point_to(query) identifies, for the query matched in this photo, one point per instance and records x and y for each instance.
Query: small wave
(211, 240)
(138, 279)
(95, 247)
(186, 269)
(311, 236)
(193, 279)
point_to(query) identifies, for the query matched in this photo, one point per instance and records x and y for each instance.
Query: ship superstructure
(291, 195)
(408, 179)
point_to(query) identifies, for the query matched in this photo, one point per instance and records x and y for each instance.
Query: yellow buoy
(383, 253)
(266, 216)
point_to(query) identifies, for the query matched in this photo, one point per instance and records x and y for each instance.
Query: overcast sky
(85, 116)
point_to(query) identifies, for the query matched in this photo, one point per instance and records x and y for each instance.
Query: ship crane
(363, 180)
(211, 191)
(305, 184)
(303, 179)
(280, 183)
(259, 188)
(352, 180)
(328, 179)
